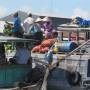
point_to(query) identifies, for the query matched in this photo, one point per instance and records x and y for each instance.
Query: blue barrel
(67, 46)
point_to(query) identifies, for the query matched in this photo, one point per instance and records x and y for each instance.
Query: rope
(50, 67)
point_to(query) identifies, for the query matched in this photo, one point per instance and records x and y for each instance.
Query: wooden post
(77, 36)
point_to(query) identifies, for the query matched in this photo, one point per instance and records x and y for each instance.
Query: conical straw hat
(38, 20)
(46, 19)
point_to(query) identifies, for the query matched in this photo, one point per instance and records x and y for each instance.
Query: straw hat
(46, 19)
(38, 20)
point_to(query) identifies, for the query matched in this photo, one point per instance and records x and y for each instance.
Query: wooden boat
(72, 72)
(11, 75)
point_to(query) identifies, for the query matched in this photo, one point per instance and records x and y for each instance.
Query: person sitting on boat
(17, 30)
(22, 54)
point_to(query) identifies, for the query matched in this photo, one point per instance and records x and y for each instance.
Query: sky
(60, 8)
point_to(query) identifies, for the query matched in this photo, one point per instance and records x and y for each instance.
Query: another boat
(72, 72)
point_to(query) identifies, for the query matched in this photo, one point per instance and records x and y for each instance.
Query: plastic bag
(33, 29)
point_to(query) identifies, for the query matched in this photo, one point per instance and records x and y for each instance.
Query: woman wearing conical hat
(47, 24)
(39, 22)
(38, 34)
(48, 27)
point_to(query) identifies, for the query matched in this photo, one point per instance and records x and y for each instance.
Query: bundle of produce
(44, 49)
(7, 29)
(40, 49)
(36, 49)
(48, 43)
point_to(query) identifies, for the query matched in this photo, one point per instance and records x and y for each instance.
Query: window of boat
(16, 51)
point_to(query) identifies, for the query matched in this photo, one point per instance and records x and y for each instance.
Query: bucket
(67, 46)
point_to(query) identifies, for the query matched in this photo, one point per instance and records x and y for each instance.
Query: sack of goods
(44, 46)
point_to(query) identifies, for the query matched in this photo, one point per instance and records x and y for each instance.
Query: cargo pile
(65, 46)
(44, 46)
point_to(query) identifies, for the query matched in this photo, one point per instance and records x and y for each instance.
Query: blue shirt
(17, 24)
(22, 55)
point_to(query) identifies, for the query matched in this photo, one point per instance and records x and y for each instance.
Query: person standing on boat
(28, 22)
(34, 31)
(48, 27)
(39, 31)
(17, 29)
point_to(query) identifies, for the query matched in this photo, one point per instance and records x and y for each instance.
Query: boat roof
(73, 29)
(69, 25)
(14, 39)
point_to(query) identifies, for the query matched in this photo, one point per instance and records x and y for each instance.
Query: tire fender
(74, 78)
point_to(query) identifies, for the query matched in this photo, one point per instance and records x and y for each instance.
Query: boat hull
(11, 75)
